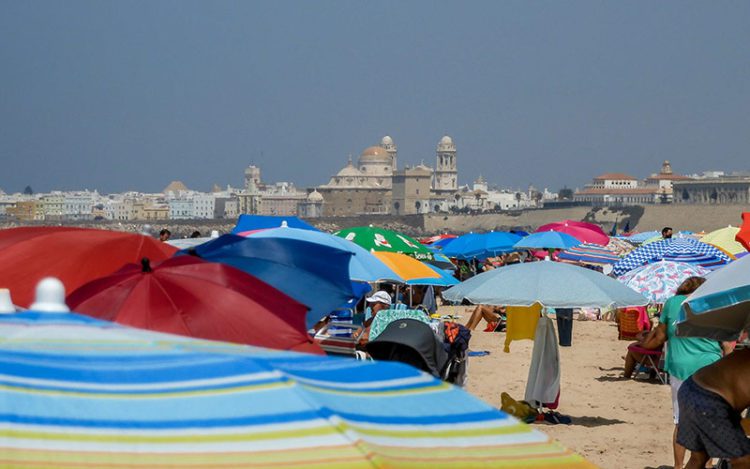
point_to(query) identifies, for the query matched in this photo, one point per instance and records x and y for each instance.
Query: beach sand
(617, 423)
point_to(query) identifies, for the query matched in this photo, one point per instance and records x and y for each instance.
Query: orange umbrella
(406, 267)
(743, 236)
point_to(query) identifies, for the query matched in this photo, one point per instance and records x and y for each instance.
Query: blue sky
(131, 95)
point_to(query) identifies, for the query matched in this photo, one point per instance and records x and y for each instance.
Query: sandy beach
(617, 423)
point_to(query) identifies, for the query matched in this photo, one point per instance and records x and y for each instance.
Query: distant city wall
(642, 218)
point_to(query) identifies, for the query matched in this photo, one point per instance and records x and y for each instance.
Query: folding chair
(652, 362)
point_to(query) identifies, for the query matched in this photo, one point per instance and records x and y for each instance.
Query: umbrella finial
(284, 224)
(145, 265)
(6, 305)
(50, 296)
(214, 234)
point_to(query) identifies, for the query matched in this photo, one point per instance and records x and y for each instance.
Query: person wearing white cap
(379, 301)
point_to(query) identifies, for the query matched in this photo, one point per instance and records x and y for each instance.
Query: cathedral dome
(446, 140)
(374, 155)
(349, 170)
(315, 196)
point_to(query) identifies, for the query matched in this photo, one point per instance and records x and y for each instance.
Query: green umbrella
(373, 238)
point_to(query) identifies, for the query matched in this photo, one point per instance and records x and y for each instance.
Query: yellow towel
(521, 323)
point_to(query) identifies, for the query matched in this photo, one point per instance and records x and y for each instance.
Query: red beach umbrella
(743, 236)
(582, 231)
(74, 255)
(188, 296)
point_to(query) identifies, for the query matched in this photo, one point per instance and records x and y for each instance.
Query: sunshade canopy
(87, 393)
(552, 284)
(247, 223)
(659, 281)
(374, 238)
(188, 296)
(675, 249)
(547, 240)
(74, 255)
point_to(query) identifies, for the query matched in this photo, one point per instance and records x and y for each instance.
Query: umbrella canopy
(441, 244)
(589, 254)
(638, 238)
(89, 393)
(374, 238)
(620, 246)
(74, 255)
(251, 223)
(436, 238)
(363, 267)
(547, 240)
(659, 281)
(725, 239)
(675, 249)
(720, 308)
(314, 275)
(445, 279)
(582, 231)
(553, 284)
(406, 267)
(441, 260)
(743, 236)
(187, 296)
(481, 245)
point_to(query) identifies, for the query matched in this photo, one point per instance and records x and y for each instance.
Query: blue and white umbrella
(720, 308)
(553, 284)
(687, 250)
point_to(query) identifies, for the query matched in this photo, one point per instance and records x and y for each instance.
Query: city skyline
(133, 95)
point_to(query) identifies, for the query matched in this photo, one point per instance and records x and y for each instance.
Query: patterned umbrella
(373, 238)
(589, 254)
(620, 246)
(81, 392)
(659, 281)
(675, 249)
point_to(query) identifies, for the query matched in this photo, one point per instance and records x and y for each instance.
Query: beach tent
(84, 393)
(250, 223)
(74, 255)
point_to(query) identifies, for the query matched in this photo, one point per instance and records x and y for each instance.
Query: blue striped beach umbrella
(687, 250)
(589, 254)
(79, 393)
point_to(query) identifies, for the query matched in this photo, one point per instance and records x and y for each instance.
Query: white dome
(387, 140)
(446, 140)
(315, 196)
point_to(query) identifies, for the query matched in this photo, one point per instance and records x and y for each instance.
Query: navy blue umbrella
(313, 274)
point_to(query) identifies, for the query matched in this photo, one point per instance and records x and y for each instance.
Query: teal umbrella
(553, 284)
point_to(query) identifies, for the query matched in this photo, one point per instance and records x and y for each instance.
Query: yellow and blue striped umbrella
(80, 392)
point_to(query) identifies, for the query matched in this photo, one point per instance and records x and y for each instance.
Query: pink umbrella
(582, 231)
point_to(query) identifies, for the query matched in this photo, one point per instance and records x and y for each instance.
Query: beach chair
(629, 324)
(339, 338)
(652, 363)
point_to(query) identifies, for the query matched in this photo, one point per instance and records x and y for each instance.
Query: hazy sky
(118, 95)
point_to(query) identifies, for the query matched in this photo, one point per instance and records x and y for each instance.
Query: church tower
(390, 147)
(446, 172)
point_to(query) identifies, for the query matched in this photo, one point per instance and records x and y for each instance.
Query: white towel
(543, 384)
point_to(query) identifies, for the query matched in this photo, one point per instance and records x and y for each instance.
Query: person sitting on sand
(379, 301)
(491, 314)
(711, 402)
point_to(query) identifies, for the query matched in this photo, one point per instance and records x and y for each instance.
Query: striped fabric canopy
(685, 250)
(589, 254)
(79, 392)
